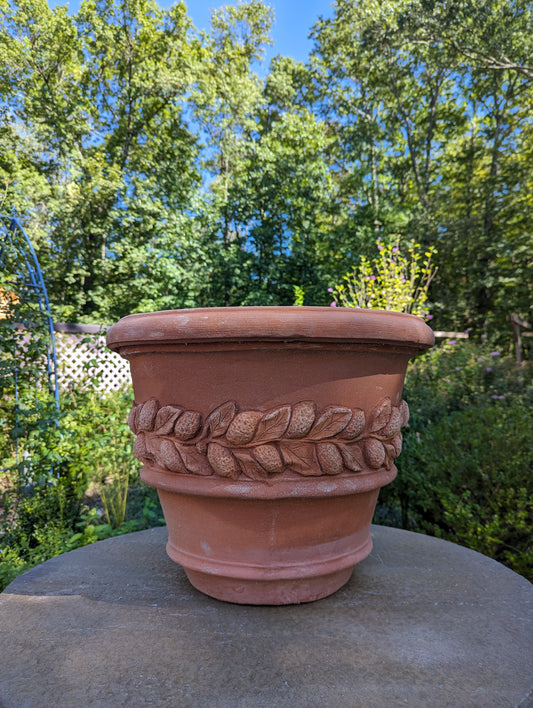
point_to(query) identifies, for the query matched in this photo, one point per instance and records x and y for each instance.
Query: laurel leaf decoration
(249, 465)
(352, 456)
(330, 458)
(165, 419)
(269, 458)
(380, 415)
(374, 453)
(194, 461)
(356, 425)
(302, 418)
(139, 447)
(147, 414)
(222, 461)
(273, 424)
(170, 457)
(393, 425)
(332, 421)
(242, 428)
(132, 418)
(298, 439)
(217, 421)
(404, 410)
(301, 458)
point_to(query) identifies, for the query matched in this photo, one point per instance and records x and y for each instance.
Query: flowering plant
(391, 281)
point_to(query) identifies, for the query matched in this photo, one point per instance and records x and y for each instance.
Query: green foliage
(428, 102)
(156, 169)
(99, 480)
(465, 468)
(391, 281)
(299, 296)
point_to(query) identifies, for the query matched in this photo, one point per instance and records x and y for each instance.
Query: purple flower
(497, 398)
(330, 290)
(429, 317)
(452, 341)
(494, 354)
(489, 369)
(372, 277)
(333, 304)
(479, 359)
(395, 249)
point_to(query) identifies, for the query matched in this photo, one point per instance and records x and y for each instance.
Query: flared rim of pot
(211, 325)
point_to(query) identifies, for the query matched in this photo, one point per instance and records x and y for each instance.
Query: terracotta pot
(268, 432)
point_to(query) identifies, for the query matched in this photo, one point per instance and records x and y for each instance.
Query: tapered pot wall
(268, 433)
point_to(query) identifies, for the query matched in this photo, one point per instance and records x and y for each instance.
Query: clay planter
(268, 432)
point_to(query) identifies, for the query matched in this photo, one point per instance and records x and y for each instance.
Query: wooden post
(516, 323)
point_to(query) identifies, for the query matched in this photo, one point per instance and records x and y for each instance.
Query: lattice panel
(82, 357)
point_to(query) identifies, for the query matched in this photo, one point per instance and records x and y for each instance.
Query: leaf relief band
(298, 438)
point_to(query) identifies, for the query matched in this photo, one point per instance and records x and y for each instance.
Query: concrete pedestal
(422, 622)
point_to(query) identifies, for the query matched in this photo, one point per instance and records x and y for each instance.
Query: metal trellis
(17, 254)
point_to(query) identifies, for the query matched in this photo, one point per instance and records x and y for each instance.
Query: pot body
(268, 433)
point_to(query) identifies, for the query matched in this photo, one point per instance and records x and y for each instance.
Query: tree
(102, 95)
(429, 116)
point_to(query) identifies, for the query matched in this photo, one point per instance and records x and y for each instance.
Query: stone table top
(422, 622)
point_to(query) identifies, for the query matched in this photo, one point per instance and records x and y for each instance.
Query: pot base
(245, 584)
(268, 592)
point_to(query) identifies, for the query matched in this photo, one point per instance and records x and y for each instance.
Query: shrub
(94, 492)
(465, 468)
(391, 281)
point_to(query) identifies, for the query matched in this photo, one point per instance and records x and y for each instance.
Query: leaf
(301, 458)
(132, 418)
(396, 443)
(391, 454)
(218, 420)
(330, 458)
(380, 415)
(222, 461)
(139, 447)
(249, 465)
(165, 419)
(201, 446)
(374, 453)
(269, 458)
(146, 417)
(273, 424)
(393, 426)
(356, 425)
(404, 411)
(169, 456)
(194, 461)
(352, 457)
(332, 421)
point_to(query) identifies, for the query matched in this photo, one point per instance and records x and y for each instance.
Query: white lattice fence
(82, 355)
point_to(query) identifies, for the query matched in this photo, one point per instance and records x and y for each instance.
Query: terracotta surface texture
(421, 622)
(268, 432)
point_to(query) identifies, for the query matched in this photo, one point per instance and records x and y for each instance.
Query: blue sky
(293, 20)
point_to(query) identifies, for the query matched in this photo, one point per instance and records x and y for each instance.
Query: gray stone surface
(422, 622)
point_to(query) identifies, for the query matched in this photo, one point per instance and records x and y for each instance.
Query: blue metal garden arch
(17, 256)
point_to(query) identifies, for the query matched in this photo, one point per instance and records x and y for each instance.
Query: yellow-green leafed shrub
(391, 281)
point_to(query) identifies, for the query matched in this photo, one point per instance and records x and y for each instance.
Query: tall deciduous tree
(429, 103)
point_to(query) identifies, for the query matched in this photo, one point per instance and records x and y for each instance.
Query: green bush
(465, 469)
(93, 491)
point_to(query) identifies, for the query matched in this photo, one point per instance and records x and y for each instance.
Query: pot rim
(271, 324)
